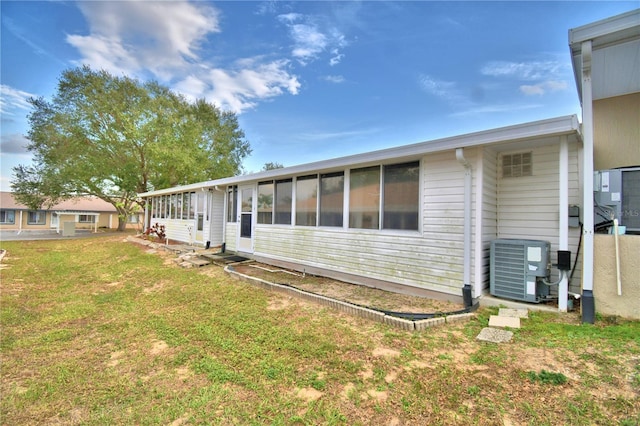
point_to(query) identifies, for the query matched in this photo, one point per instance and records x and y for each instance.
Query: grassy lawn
(98, 331)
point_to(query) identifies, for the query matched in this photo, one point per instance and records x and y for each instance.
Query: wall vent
(517, 165)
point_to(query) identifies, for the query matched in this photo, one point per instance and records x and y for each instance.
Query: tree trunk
(122, 223)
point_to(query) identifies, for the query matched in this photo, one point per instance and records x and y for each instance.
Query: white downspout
(20, 223)
(587, 302)
(467, 217)
(563, 232)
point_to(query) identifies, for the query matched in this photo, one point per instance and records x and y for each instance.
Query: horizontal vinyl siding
(489, 210)
(231, 236)
(176, 229)
(215, 226)
(443, 230)
(401, 259)
(528, 206)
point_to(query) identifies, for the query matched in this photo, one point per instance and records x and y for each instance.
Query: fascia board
(611, 30)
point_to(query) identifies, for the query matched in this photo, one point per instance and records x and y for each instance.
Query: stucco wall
(616, 132)
(605, 288)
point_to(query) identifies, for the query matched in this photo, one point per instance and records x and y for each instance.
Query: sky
(308, 80)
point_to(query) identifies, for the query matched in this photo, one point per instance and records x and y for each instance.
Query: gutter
(466, 289)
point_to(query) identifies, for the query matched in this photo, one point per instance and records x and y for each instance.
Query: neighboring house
(85, 212)
(420, 218)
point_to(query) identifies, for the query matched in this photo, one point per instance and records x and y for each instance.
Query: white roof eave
(605, 33)
(521, 132)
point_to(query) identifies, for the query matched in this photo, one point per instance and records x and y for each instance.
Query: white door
(199, 216)
(247, 201)
(54, 220)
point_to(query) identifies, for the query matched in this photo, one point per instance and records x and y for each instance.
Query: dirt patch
(386, 353)
(158, 347)
(308, 394)
(352, 293)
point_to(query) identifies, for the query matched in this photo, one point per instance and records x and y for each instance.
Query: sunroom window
(306, 200)
(265, 202)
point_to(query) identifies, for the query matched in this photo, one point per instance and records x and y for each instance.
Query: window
(400, 190)
(174, 206)
(192, 205)
(517, 165)
(283, 202)
(364, 198)
(86, 218)
(7, 216)
(401, 196)
(200, 204)
(180, 204)
(265, 202)
(331, 199)
(132, 218)
(232, 208)
(166, 202)
(36, 217)
(306, 200)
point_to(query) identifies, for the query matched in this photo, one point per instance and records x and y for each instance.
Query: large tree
(114, 137)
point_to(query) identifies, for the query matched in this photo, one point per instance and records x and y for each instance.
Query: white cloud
(11, 99)
(163, 40)
(445, 90)
(239, 89)
(310, 41)
(334, 78)
(494, 109)
(544, 87)
(534, 70)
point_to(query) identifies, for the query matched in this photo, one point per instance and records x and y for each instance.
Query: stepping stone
(498, 321)
(198, 262)
(494, 335)
(516, 313)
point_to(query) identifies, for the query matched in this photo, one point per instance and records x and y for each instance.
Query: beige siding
(616, 126)
(528, 206)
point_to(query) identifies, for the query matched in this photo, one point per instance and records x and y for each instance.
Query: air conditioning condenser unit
(517, 268)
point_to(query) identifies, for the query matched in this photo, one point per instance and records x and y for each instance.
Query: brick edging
(350, 308)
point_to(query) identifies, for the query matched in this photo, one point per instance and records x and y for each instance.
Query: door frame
(246, 218)
(200, 212)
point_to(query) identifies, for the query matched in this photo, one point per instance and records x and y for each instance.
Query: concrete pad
(515, 313)
(498, 321)
(495, 335)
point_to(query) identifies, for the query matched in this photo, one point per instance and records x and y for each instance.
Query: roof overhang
(69, 212)
(543, 130)
(615, 45)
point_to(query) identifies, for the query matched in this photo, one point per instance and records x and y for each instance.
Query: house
(85, 212)
(606, 63)
(420, 218)
(417, 218)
